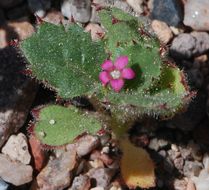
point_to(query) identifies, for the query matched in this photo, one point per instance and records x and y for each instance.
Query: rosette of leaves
(65, 59)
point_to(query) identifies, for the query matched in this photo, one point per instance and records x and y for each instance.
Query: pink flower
(116, 73)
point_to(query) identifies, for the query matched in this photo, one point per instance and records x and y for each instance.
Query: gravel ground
(179, 147)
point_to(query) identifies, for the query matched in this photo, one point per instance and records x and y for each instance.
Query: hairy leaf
(65, 58)
(57, 125)
(165, 98)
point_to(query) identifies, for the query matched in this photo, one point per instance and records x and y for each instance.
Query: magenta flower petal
(121, 62)
(128, 73)
(117, 84)
(104, 77)
(108, 65)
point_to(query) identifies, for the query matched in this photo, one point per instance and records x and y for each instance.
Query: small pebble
(179, 184)
(136, 5)
(162, 31)
(81, 182)
(154, 144)
(103, 176)
(105, 150)
(97, 32)
(192, 168)
(17, 148)
(196, 14)
(190, 185)
(96, 163)
(86, 144)
(179, 163)
(98, 188)
(79, 10)
(168, 11)
(206, 161)
(174, 147)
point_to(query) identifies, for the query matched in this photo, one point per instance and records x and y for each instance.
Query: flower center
(115, 74)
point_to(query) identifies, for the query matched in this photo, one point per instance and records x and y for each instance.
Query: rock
(97, 32)
(196, 14)
(106, 159)
(180, 184)
(17, 93)
(154, 144)
(39, 7)
(185, 153)
(81, 182)
(202, 42)
(3, 38)
(188, 45)
(15, 30)
(203, 173)
(176, 31)
(96, 163)
(103, 3)
(174, 147)
(115, 188)
(104, 139)
(58, 172)
(206, 161)
(79, 10)
(201, 183)
(10, 3)
(190, 185)
(105, 150)
(162, 31)
(17, 148)
(162, 153)
(162, 143)
(122, 5)
(179, 163)
(102, 176)
(173, 154)
(3, 185)
(94, 15)
(14, 172)
(86, 144)
(136, 5)
(82, 167)
(95, 155)
(39, 155)
(168, 11)
(192, 168)
(98, 188)
(54, 17)
(183, 46)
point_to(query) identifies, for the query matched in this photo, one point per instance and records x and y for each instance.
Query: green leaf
(168, 96)
(65, 58)
(58, 125)
(123, 38)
